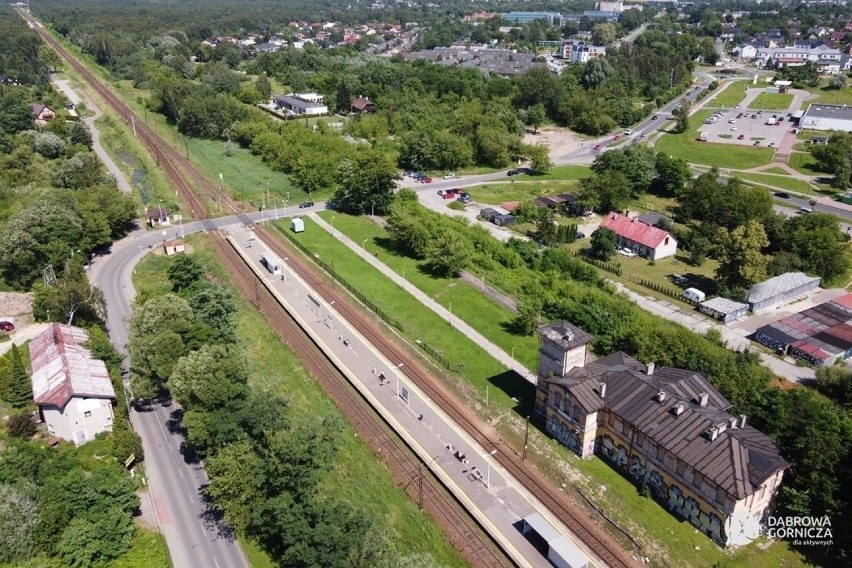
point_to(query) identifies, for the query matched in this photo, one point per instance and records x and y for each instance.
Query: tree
(16, 114)
(835, 383)
(449, 255)
(835, 157)
(232, 489)
(636, 163)
(78, 133)
(597, 73)
(184, 272)
(604, 192)
(546, 228)
(681, 114)
(603, 244)
(536, 115)
(21, 425)
(20, 386)
(96, 539)
(49, 57)
(604, 33)
(366, 183)
(263, 85)
(70, 300)
(672, 175)
(126, 442)
(18, 519)
(539, 156)
(212, 378)
(529, 314)
(216, 307)
(820, 244)
(79, 171)
(838, 81)
(741, 262)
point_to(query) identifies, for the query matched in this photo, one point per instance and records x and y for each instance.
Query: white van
(805, 210)
(694, 295)
(704, 136)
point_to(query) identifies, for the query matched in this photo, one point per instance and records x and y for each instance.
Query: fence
(613, 267)
(432, 352)
(665, 290)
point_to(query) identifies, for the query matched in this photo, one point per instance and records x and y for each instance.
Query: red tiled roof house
(72, 390)
(643, 239)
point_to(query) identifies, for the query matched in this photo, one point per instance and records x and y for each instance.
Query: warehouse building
(827, 117)
(820, 336)
(552, 18)
(723, 309)
(781, 290)
(667, 429)
(302, 103)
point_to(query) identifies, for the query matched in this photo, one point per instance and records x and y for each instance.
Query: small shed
(504, 220)
(723, 309)
(174, 247)
(298, 225)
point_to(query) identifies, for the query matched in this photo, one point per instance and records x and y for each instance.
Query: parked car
(513, 172)
(740, 115)
(733, 129)
(782, 194)
(441, 192)
(617, 137)
(450, 175)
(426, 179)
(454, 191)
(626, 252)
(741, 137)
(628, 132)
(464, 199)
(756, 143)
(306, 204)
(7, 325)
(597, 147)
(580, 235)
(655, 117)
(771, 144)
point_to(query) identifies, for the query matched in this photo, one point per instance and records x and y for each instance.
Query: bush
(21, 425)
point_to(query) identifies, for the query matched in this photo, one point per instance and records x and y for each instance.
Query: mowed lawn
(804, 162)
(832, 96)
(496, 193)
(463, 299)
(779, 181)
(772, 101)
(357, 475)
(731, 96)
(685, 145)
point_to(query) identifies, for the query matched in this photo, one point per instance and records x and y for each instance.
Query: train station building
(667, 429)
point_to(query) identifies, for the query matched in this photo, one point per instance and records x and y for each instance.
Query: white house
(745, 51)
(643, 239)
(302, 103)
(72, 390)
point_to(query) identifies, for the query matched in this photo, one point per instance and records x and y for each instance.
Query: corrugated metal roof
(738, 460)
(723, 305)
(779, 285)
(64, 368)
(634, 230)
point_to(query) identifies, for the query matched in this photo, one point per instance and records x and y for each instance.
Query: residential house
(42, 114)
(362, 105)
(578, 51)
(745, 51)
(667, 429)
(73, 391)
(645, 240)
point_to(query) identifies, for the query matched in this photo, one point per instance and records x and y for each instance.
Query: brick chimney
(702, 399)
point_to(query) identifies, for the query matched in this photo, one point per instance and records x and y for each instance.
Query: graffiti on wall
(672, 495)
(569, 437)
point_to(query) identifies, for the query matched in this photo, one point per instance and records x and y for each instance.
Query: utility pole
(420, 484)
(526, 437)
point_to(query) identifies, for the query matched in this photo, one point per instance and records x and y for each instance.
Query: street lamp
(160, 206)
(332, 223)
(488, 463)
(513, 357)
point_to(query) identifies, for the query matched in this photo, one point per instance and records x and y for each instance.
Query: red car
(7, 325)
(597, 146)
(426, 180)
(448, 196)
(617, 137)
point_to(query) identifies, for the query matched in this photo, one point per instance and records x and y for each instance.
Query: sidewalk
(455, 321)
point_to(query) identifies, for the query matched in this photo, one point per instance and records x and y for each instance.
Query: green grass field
(772, 101)
(781, 182)
(357, 476)
(564, 173)
(831, 96)
(731, 96)
(686, 146)
(779, 171)
(496, 193)
(804, 162)
(148, 549)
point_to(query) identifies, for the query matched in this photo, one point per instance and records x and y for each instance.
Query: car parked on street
(7, 325)
(597, 147)
(741, 137)
(513, 172)
(306, 204)
(450, 175)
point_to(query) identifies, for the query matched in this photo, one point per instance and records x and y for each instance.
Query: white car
(733, 129)
(450, 176)
(628, 132)
(626, 252)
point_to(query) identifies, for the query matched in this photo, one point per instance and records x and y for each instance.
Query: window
(618, 425)
(88, 414)
(681, 468)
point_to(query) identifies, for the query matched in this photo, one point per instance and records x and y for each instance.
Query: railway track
(461, 529)
(422, 487)
(586, 530)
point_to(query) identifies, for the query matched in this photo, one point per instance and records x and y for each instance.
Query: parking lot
(748, 128)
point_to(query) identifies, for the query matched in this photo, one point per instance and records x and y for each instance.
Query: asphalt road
(175, 481)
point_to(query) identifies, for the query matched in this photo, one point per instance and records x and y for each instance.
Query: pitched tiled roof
(739, 460)
(63, 368)
(634, 230)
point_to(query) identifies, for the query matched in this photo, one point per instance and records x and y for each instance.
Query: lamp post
(488, 463)
(513, 357)
(332, 223)
(397, 378)
(160, 207)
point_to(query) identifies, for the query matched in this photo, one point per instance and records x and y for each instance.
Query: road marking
(190, 497)
(180, 472)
